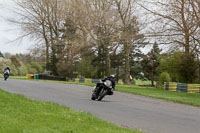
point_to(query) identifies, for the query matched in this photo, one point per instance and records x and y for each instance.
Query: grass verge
(178, 97)
(22, 115)
(159, 93)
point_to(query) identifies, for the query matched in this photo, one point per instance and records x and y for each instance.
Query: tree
(129, 31)
(182, 67)
(64, 28)
(86, 69)
(187, 69)
(16, 62)
(34, 68)
(175, 23)
(150, 63)
(136, 66)
(53, 24)
(7, 62)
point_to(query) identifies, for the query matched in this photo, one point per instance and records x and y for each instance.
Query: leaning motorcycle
(6, 74)
(101, 90)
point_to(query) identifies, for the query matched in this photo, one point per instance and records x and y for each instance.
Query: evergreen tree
(150, 63)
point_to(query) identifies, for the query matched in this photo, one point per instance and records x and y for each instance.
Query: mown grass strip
(159, 93)
(21, 115)
(178, 97)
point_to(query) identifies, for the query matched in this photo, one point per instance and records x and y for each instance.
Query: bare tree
(129, 33)
(44, 20)
(63, 27)
(175, 22)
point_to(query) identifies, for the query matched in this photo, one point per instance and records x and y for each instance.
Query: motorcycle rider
(7, 69)
(112, 79)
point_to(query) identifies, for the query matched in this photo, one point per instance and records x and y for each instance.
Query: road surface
(126, 110)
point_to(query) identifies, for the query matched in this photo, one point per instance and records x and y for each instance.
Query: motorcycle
(6, 74)
(101, 90)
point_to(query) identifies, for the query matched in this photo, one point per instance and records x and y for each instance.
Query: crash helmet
(112, 77)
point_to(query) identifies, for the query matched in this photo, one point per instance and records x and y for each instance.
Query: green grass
(21, 115)
(140, 82)
(179, 97)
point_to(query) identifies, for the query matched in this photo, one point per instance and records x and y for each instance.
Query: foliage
(63, 28)
(169, 63)
(7, 62)
(66, 69)
(19, 66)
(34, 68)
(187, 69)
(150, 63)
(15, 61)
(86, 69)
(181, 67)
(22, 70)
(164, 77)
(136, 66)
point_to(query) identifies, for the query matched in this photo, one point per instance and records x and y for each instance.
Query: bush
(164, 77)
(187, 69)
(34, 68)
(182, 67)
(7, 62)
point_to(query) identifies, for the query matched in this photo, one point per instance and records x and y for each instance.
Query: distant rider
(7, 69)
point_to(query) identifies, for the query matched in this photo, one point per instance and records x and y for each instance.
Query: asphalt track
(126, 110)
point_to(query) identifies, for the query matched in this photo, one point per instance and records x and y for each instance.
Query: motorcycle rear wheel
(94, 95)
(102, 94)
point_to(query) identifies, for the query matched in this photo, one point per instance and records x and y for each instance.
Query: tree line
(97, 38)
(20, 64)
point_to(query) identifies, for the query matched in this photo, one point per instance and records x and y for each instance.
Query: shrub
(164, 77)
(34, 67)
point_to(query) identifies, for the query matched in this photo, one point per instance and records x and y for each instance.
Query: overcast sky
(9, 33)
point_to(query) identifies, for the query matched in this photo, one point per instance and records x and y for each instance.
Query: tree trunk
(187, 43)
(152, 74)
(46, 43)
(117, 74)
(47, 57)
(54, 62)
(127, 63)
(108, 64)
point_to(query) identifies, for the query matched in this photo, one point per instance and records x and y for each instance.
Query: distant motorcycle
(102, 89)
(6, 74)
